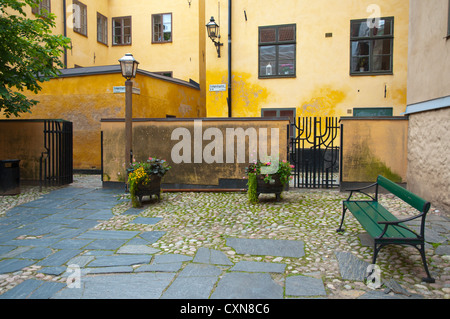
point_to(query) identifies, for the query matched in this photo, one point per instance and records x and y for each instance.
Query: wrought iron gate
(56, 162)
(314, 152)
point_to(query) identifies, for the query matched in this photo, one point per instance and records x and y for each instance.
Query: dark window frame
(278, 114)
(368, 66)
(104, 29)
(277, 43)
(122, 35)
(161, 15)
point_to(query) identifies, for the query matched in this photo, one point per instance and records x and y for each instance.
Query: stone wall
(428, 171)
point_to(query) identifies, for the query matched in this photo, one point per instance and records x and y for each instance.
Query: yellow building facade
(292, 58)
(102, 31)
(314, 49)
(314, 68)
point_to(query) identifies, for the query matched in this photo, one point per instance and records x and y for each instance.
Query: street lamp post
(128, 66)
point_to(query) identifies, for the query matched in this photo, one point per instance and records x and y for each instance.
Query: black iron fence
(314, 151)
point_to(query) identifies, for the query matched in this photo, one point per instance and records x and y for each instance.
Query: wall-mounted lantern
(214, 34)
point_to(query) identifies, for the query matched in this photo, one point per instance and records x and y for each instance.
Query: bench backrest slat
(412, 199)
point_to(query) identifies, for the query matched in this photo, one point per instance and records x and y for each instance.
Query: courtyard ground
(192, 224)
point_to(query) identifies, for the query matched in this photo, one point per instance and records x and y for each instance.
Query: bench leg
(428, 279)
(344, 209)
(376, 250)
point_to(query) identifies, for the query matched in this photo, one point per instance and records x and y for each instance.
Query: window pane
(127, 36)
(286, 33)
(167, 27)
(267, 35)
(384, 28)
(382, 46)
(381, 63)
(360, 48)
(286, 59)
(267, 53)
(286, 52)
(269, 113)
(167, 22)
(157, 28)
(99, 29)
(359, 29)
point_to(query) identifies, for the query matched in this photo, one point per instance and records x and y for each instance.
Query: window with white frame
(79, 17)
(162, 28)
(102, 29)
(121, 30)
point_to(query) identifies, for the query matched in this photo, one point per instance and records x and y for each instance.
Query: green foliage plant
(254, 169)
(29, 54)
(141, 173)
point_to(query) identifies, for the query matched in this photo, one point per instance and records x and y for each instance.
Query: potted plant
(260, 183)
(144, 179)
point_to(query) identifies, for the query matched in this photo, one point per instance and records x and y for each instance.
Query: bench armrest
(360, 190)
(396, 222)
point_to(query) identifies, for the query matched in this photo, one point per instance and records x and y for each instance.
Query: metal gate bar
(314, 153)
(56, 163)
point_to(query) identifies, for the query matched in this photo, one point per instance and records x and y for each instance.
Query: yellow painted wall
(85, 100)
(372, 147)
(323, 86)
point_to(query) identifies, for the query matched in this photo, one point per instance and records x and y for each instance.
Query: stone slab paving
(211, 256)
(270, 247)
(303, 286)
(45, 236)
(351, 267)
(117, 286)
(239, 285)
(254, 266)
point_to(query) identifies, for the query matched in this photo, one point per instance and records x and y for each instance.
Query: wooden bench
(384, 227)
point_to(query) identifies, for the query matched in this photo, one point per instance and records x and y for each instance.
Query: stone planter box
(272, 187)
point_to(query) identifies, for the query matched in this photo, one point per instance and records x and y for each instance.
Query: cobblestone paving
(191, 221)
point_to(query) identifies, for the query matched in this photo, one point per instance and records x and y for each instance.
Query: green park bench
(384, 227)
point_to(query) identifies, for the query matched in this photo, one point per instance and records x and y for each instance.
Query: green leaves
(29, 54)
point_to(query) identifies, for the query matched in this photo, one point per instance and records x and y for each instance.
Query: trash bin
(9, 177)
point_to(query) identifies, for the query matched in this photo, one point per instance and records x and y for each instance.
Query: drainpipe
(65, 32)
(229, 59)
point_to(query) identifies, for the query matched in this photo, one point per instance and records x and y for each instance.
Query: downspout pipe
(65, 31)
(229, 60)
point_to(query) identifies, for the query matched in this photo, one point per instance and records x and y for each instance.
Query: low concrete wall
(371, 147)
(203, 153)
(428, 156)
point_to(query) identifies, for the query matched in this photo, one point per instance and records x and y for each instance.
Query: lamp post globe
(128, 66)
